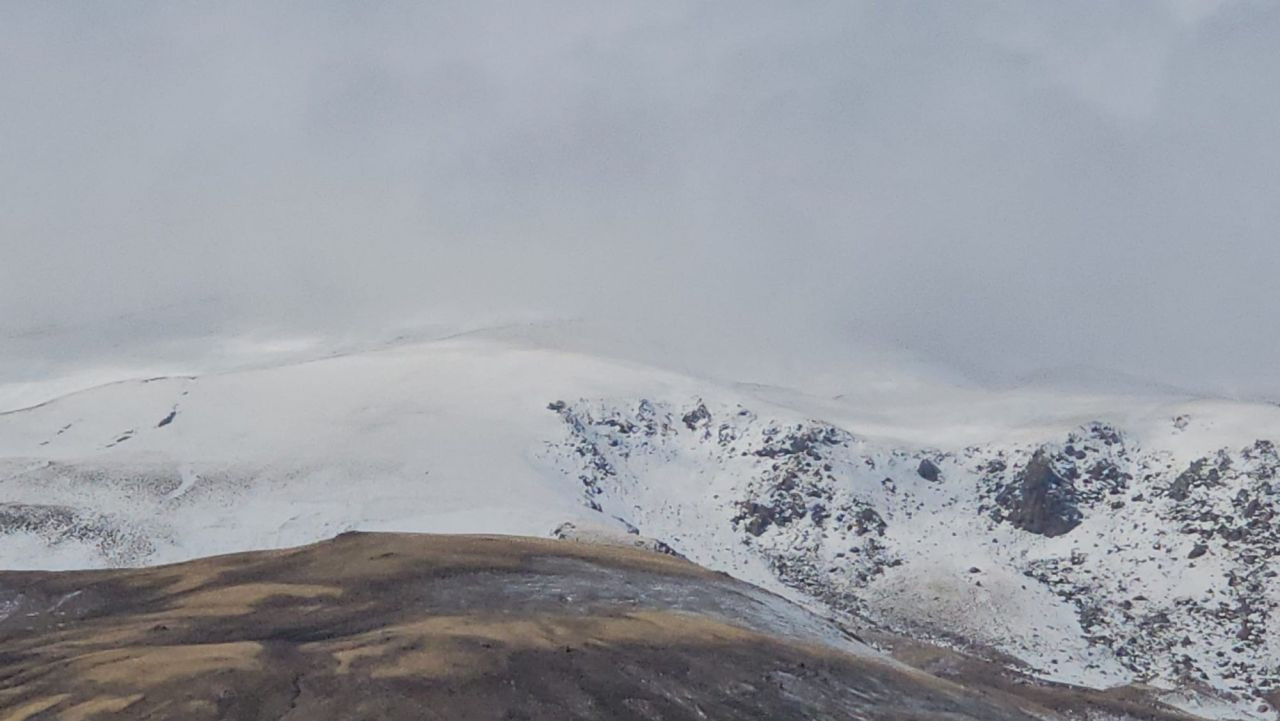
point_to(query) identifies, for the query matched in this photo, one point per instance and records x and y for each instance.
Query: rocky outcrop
(840, 519)
(697, 418)
(1202, 473)
(1041, 501)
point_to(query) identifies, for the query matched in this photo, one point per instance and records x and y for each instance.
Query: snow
(441, 437)
(455, 435)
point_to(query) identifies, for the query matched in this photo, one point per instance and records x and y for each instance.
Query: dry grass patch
(459, 646)
(31, 708)
(105, 704)
(375, 555)
(143, 666)
(240, 599)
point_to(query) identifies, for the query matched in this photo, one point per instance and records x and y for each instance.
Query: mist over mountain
(996, 189)
(824, 359)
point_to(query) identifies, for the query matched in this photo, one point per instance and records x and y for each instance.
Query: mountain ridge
(475, 435)
(411, 626)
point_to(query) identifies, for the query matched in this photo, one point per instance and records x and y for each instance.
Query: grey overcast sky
(1006, 188)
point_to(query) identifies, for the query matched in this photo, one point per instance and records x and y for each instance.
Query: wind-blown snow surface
(1099, 540)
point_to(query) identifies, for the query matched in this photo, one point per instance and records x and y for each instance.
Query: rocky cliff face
(1040, 501)
(1145, 568)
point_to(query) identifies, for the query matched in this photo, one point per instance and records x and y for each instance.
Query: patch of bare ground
(393, 626)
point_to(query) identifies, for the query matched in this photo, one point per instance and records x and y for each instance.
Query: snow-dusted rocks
(1093, 520)
(1117, 540)
(604, 536)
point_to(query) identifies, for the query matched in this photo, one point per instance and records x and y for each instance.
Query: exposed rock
(929, 470)
(824, 510)
(629, 538)
(868, 521)
(697, 418)
(60, 524)
(1041, 501)
(1202, 472)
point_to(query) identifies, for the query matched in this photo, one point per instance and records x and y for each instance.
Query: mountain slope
(395, 626)
(1100, 540)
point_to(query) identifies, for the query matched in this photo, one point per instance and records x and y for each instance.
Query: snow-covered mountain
(1094, 539)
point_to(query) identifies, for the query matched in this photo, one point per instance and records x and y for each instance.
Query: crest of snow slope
(440, 438)
(822, 497)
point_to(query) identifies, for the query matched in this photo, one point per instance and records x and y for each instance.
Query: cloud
(1003, 188)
